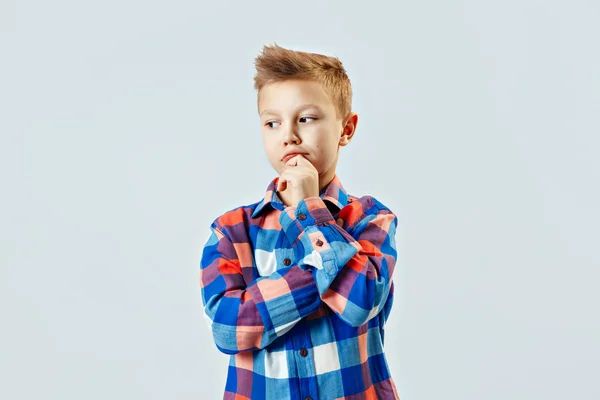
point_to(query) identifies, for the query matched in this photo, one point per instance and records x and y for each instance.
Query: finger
(281, 184)
(301, 160)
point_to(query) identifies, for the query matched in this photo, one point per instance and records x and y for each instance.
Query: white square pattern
(282, 329)
(276, 364)
(314, 259)
(266, 262)
(326, 358)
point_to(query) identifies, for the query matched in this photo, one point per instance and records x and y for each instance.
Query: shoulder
(235, 218)
(366, 202)
(362, 207)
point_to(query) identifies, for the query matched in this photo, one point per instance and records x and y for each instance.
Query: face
(299, 116)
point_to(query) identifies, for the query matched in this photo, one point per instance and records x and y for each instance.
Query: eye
(307, 118)
(271, 122)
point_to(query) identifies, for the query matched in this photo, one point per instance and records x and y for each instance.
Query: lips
(288, 156)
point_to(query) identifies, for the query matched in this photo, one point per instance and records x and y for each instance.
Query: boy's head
(286, 82)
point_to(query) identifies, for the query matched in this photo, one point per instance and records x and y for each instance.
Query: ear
(348, 128)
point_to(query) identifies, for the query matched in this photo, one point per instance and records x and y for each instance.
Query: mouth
(286, 158)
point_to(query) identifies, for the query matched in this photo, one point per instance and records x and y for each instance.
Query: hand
(301, 177)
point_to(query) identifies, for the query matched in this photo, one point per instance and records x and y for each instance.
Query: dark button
(309, 398)
(303, 352)
(319, 242)
(287, 261)
(302, 217)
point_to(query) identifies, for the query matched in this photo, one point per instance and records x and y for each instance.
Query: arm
(245, 318)
(353, 268)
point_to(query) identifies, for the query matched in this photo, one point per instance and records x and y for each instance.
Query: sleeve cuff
(317, 239)
(310, 211)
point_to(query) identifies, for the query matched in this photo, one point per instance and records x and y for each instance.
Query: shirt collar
(334, 193)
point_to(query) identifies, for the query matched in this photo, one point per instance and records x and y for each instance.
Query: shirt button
(319, 242)
(287, 261)
(301, 217)
(303, 352)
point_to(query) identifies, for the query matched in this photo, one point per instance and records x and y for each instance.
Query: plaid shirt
(298, 296)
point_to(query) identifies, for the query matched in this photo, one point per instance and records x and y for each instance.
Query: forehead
(290, 94)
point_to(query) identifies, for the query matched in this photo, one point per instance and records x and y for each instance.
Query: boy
(297, 287)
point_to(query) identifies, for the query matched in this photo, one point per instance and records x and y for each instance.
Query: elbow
(230, 340)
(225, 339)
(226, 350)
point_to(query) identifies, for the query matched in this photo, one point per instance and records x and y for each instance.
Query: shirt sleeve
(250, 317)
(353, 267)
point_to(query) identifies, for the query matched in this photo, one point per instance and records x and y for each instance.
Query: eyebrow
(303, 106)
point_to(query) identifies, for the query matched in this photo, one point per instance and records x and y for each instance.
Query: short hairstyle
(276, 64)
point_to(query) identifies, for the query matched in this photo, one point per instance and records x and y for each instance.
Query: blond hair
(277, 64)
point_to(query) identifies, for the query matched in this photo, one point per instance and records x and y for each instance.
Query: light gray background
(128, 126)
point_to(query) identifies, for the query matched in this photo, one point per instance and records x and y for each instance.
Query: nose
(290, 135)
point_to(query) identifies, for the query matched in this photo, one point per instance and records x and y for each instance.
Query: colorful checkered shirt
(298, 296)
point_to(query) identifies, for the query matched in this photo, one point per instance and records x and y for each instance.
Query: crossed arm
(350, 269)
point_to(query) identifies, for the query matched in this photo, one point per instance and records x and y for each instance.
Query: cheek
(326, 146)
(269, 147)
(272, 155)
